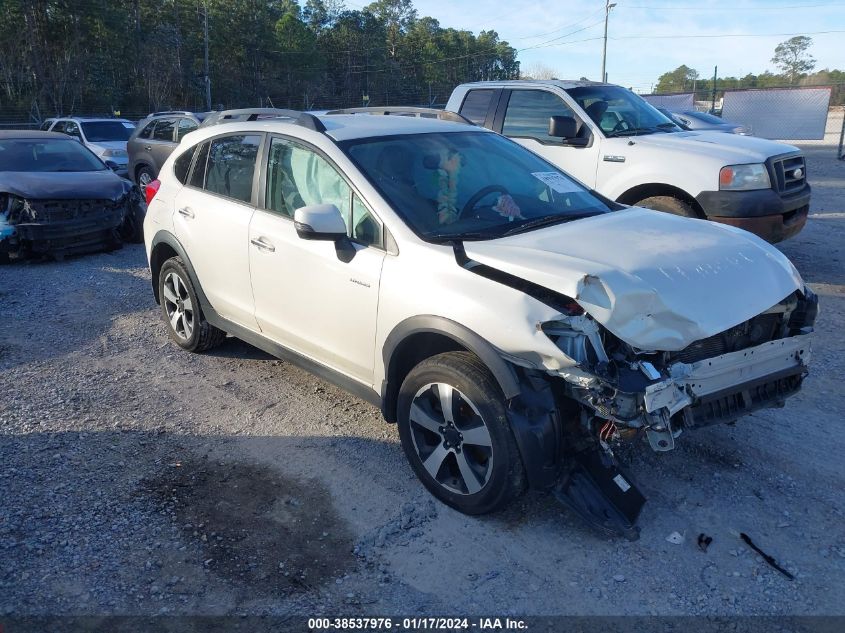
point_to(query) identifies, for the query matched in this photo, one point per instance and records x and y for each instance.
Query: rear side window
(147, 132)
(231, 166)
(164, 130)
(476, 104)
(185, 126)
(198, 174)
(46, 125)
(183, 164)
(529, 111)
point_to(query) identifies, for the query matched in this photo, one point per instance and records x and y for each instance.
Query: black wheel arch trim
(502, 371)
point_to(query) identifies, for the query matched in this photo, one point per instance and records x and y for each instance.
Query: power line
(719, 35)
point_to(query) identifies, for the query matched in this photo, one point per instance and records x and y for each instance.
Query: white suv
(513, 323)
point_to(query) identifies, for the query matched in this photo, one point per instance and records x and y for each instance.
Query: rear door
(523, 115)
(213, 212)
(310, 297)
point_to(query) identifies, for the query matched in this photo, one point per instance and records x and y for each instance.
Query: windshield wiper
(636, 131)
(459, 237)
(547, 220)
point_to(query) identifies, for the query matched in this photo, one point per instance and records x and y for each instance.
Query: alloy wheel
(451, 438)
(178, 305)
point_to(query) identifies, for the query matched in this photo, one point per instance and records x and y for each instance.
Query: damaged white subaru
(513, 323)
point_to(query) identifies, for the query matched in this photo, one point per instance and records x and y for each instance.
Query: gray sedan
(694, 120)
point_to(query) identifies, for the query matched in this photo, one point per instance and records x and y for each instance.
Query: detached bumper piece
(602, 494)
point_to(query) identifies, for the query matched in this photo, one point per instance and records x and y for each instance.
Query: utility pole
(713, 92)
(608, 5)
(205, 59)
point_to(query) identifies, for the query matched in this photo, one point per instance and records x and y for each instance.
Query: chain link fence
(803, 115)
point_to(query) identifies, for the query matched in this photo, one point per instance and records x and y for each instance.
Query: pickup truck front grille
(790, 173)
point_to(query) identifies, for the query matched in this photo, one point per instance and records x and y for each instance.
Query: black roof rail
(305, 119)
(444, 115)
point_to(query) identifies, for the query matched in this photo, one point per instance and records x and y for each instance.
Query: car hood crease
(657, 281)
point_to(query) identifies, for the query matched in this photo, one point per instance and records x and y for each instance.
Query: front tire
(669, 204)
(455, 432)
(181, 309)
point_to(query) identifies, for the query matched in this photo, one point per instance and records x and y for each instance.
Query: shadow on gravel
(236, 348)
(257, 526)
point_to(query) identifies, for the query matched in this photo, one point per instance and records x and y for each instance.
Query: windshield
(469, 185)
(619, 112)
(46, 155)
(104, 131)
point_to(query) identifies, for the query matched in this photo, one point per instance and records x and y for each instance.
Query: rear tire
(455, 432)
(669, 204)
(186, 324)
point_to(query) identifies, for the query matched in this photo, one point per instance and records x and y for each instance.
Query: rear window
(231, 166)
(105, 131)
(183, 164)
(147, 132)
(476, 104)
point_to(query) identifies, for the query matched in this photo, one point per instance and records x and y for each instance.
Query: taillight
(151, 190)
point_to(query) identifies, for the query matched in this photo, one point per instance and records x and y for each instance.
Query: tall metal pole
(207, 76)
(608, 5)
(713, 93)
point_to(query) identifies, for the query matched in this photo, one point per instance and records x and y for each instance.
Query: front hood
(731, 149)
(101, 146)
(657, 281)
(76, 185)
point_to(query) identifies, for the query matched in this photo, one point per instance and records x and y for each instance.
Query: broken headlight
(11, 207)
(578, 337)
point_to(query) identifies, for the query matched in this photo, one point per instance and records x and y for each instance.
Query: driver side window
(298, 177)
(529, 111)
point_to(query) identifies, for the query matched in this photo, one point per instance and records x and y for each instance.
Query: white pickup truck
(616, 143)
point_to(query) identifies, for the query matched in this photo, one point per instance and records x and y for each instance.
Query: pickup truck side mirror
(319, 222)
(566, 129)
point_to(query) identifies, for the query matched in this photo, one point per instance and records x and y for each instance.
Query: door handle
(187, 212)
(263, 244)
(148, 148)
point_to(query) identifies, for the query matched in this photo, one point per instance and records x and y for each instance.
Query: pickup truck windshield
(469, 185)
(619, 112)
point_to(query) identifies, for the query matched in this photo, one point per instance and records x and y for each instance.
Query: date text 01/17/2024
(417, 624)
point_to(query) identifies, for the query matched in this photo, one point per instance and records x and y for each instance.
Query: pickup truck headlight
(744, 177)
(115, 153)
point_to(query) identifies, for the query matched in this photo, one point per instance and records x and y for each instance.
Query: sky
(649, 37)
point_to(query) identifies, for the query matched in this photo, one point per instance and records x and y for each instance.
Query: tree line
(135, 56)
(791, 58)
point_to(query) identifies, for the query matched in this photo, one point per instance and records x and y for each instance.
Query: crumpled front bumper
(723, 388)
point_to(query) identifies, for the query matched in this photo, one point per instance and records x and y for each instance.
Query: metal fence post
(839, 153)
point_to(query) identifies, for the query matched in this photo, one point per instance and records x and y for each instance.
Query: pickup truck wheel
(455, 432)
(669, 204)
(181, 309)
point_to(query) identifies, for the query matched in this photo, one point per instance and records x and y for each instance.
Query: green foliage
(792, 57)
(681, 79)
(99, 56)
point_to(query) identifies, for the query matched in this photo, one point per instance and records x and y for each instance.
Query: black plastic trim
(502, 371)
(751, 204)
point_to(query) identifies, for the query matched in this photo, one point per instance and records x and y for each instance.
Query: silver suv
(154, 139)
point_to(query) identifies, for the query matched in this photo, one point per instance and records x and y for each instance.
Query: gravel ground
(138, 479)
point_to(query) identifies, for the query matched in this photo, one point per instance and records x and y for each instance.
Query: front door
(309, 296)
(526, 121)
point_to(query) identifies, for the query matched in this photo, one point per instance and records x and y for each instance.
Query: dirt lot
(138, 479)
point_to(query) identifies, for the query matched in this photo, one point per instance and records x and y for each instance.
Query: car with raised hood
(57, 198)
(694, 120)
(615, 142)
(514, 324)
(105, 137)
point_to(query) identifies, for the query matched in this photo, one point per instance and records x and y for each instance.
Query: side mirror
(562, 127)
(319, 222)
(112, 165)
(566, 129)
